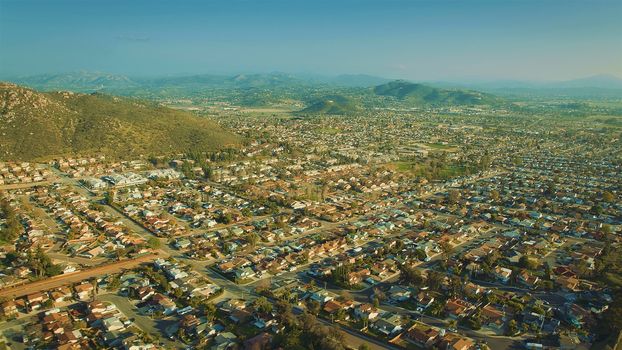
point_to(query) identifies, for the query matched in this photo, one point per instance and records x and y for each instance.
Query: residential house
(399, 293)
(366, 310)
(389, 324)
(452, 341)
(493, 318)
(83, 291)
(9, 308)
(528, 279)
(502, 274)
(424, 300)
(456, 308)
(422, 335)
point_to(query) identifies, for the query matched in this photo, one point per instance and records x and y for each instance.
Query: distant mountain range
(76, 81)
(36, 125)
(603, 86)
(597, 81)
(96, 80)
(319, 92)
(93, 81)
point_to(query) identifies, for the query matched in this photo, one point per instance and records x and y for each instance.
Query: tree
(548, 285)
(208, 172)
(421, 254)
(547, 269)
(365, 320)
(209, 310)
(447, 250)
(225, 218)
(473, 322)
(364, 347)
(252, 239)
(340, 275)
(411, 275)
(114, 282)
(313, 307)
(494, 195)
(606, 229)
(435, 279)
(608, 197)
(14, 227)
(154, 243)
(41, 263)
(453, 196)
(512, 328)
(263, 305)
(527, 263)
(456, 285)
(379, 294)
(340, 314)
(110, 197)
(452, 324)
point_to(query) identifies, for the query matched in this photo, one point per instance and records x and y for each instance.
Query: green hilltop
(328, 95)
(419, 94)
(331, 104)
(35, 125)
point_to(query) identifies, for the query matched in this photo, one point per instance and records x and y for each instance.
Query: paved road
(65, 279)
(25, 185)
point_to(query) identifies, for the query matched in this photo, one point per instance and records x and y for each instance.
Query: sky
(409, 39)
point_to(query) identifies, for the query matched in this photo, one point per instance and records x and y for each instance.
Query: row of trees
(13, 227)
(41, 264)
(305, 332)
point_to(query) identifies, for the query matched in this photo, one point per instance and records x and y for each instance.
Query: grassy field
(329, 131)
(440, 146)
(444, 172)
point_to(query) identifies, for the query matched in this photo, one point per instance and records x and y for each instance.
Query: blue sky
(410, 39)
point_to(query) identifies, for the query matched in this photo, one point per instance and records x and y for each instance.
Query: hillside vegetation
(36, 125)
(418, 94)
(271, 89)
(332, 104)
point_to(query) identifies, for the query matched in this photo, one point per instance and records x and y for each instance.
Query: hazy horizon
(479, 40)
(312, 75)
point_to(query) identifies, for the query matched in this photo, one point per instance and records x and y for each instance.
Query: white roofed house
(388, 324)
(93, 253)
(244, 272)
(502, 274)
(321, 296)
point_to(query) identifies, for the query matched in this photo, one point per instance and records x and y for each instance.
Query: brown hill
(35, 125)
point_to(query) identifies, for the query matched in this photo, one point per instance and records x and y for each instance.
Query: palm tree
(365, 320)
(252, 239)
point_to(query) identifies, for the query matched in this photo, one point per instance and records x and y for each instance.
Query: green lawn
(445, 172)
(439, 146)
